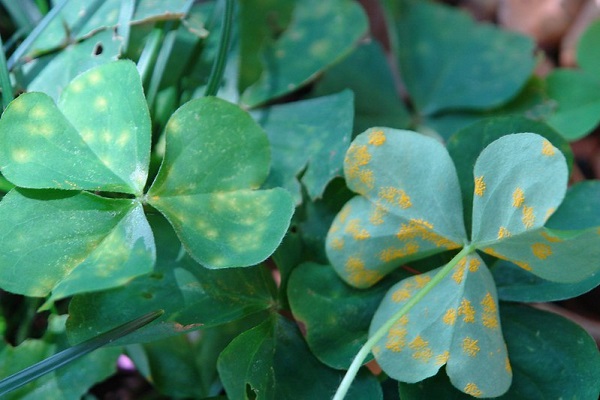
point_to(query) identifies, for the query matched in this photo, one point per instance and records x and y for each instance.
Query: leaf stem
(380, 333)
(218, 68)
(64, 357)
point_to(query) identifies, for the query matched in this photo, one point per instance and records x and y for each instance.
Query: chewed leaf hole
(98, 49)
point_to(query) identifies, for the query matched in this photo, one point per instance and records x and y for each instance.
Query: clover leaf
(97, 139)
(409, 208)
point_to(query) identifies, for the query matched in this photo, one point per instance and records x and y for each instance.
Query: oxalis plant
(409, 207)
(195, 189)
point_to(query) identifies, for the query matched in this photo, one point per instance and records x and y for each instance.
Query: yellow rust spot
(443, 358)
(467, 311)
(394, 253)
(357, 232)
(337, 244)
(523, 265)
(503, 232)
(552, 239)
(473, 390)
(528, 217)
(507, 366)
(474, 265)
(396, 338)
(418, 228)
(547, 148)
(21, 155)
(518, 197)
(541, 250)
(376, 217)
(395, 196)
(459, 271)
(422, 280)
(402, 294)
(489, 318)
(365, 176)
(421, 349)
(449, 317)
(470, 346)
(377, 138)
(358, 275)
(343, 215)
(356, 158)
(549, 213)
(479, 186)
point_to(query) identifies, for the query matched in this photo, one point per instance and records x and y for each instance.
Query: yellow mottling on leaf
(449, 317)
(357, 232)
(123, 138)
(547, 148)
(503, 233)
(421, 349)
(473, 390)
(550, 238)
(518, 197)
(38, 112)
(76, 86)
(479, 186)
(107, 137)
(377, 138)
(541, 250)
(87, 135)
(21, 155)
(474, 265)
(106, 160)
(337, 244)
(467, 311)
(100, 103)
(95, 78)
(46, 130)
(395, 196)
(470, 346)
(528, 217)
(358, 275)
(443, 358)
(356, 157)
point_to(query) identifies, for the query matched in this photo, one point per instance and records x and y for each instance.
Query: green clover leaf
(97, 138)
(520, 179)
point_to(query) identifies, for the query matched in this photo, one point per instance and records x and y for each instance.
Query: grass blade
(19, 379)
(5, 86)
(218, 68)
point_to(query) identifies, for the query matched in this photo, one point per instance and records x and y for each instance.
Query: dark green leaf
(551, 356)
(367, 73)
(192, 296)
(320, 33)
(456, 324)
(272, 361)
(97, 138)
(397, 219)
(466, 145)
(335, 315)
(215, 156)
(71, 242)
(310, 136)
(448, 61)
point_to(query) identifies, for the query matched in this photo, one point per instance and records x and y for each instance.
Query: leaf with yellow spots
(96, 138)
(396, 220)
(216, 158)
(456, 324)
(65, 243)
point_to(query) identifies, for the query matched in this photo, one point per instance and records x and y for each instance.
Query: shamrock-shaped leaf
(414, 210)
(456, 324)
(216, 155)
(98, 138)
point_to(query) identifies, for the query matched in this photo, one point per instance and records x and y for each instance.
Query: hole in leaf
(98, 49)
(250, 392)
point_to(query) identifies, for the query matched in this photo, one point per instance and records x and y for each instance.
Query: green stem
(64, 357)
(218, 68)
(380, 333)
(5, 86)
